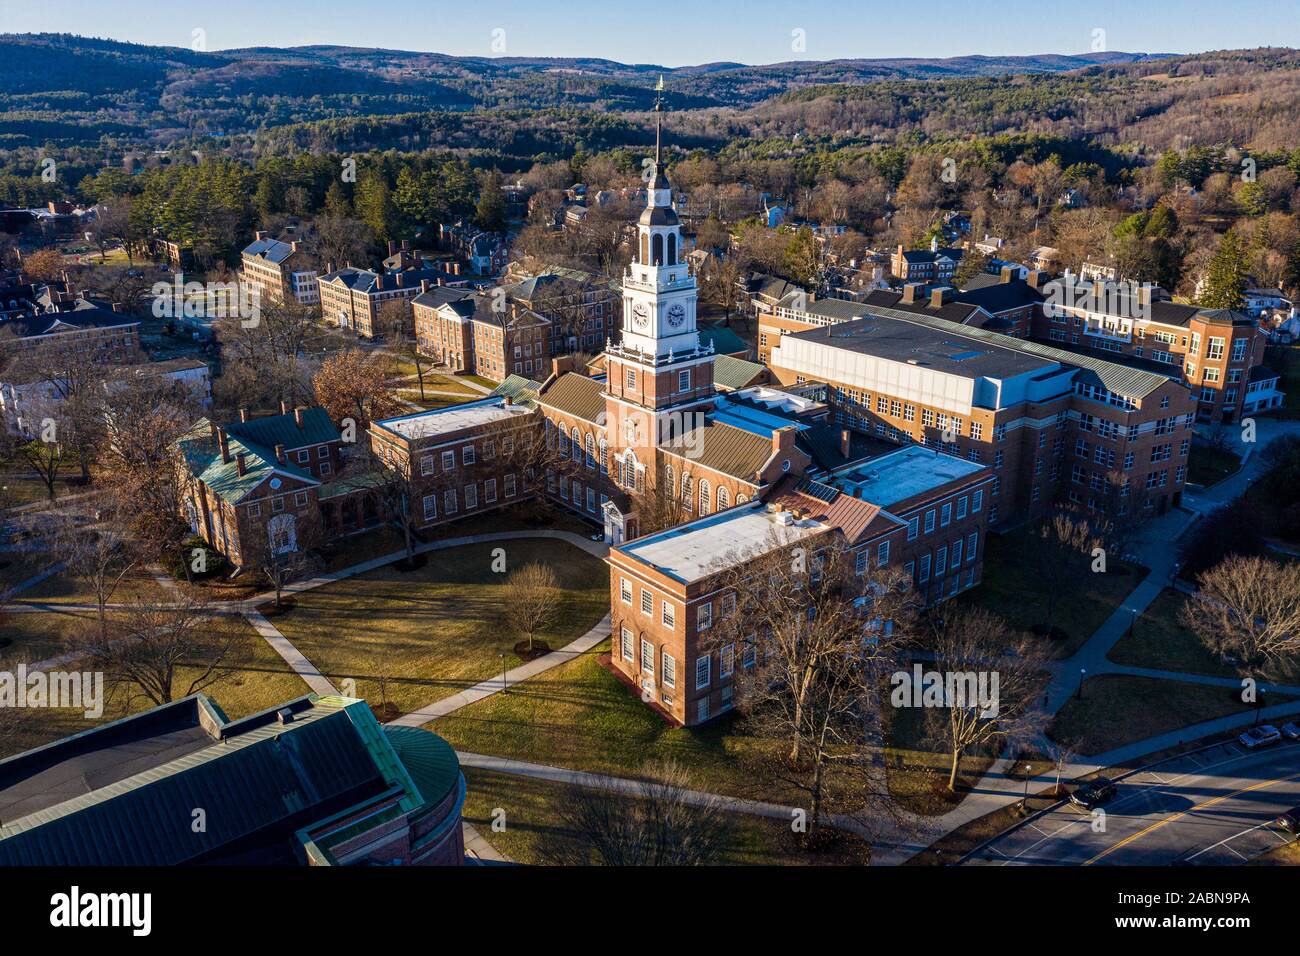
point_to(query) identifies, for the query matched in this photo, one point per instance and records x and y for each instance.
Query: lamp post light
(1083, 672)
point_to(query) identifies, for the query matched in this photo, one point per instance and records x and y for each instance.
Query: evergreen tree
(491, 210)
(1226, 276)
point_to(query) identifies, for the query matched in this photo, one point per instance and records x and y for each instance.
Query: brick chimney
(223, 442)
(846, 442)
(261, 235)
(379, 283)
(240, 464)
(406, 245)
(424, 285)
(243, 414)
(561, 364)
(297, 417)
(1036, 278)
(940, 297)
(783, 441)
(293, 246)
(909, 292)
(392, 247)
(506, 401)
(279, 454)
(1006, 274)
(400, 278)
(117, 306)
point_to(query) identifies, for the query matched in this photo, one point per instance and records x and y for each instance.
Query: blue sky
(677, 32)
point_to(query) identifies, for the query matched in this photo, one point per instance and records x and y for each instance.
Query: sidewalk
(501, 682)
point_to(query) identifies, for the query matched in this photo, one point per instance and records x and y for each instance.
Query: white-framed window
(647, 602)
(669, 670)
(703, 665)
(668, 614)
(449, 501)
(254, 510)
(945, 515)
(471, 496)
(300, 499)
(961, 507)
(277, 505)
(625, 644)
(510, 485)
(467, 455)
(684, 380)
(929, 521)
(625, 590)
(749, 655)
(426, 465)
(971, 540)
(726, 660)
(430, 506)
(490, 490)
(448, 460)
(913, 528)
(647, 657)
(304, 456)
(704, 616)
(977, 501)
(882, 554)
(702, 710)
(860, 562)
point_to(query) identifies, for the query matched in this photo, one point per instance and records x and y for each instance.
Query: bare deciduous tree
(815, 635)
(534, 600)
(975, 644)
(1248, 608)
(657, 822)
(152, 644)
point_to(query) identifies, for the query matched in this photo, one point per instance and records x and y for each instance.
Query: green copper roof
(430, 760)
(734, 373)
(725, 341)
(256, 439)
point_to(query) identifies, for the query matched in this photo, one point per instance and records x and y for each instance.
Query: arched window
(604, 457)
(564, 444)
(688, 500)
(668, 479)
(723, 498)
(589, 444)
(657, 249)
(706, 502)
(283, 533)
(741, 499)
(645, 248)
(672, 249)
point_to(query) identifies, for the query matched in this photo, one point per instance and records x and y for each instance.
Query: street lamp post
(1025, 799)
(504, 687)
(1083, 672)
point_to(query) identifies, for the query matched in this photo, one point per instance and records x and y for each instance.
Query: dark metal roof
(576, 395)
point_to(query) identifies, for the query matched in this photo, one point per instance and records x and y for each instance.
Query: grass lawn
(1013, 589)
(138, 586)
(419, 636)
(580, 716)
(1160, 641)
(532, 821)
(1208, 466)
(261, 679)
(918, 767)
(1117, 709)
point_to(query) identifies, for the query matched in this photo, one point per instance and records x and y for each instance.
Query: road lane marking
(1178, 816)
(1229, 840)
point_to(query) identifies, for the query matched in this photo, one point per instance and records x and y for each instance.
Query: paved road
(1215, 807)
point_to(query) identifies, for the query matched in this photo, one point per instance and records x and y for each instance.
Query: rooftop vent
(284, 716)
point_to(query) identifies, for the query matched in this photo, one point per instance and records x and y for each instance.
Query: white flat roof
(453, 418)
(775, 398)
(899, 475)
(693, 551)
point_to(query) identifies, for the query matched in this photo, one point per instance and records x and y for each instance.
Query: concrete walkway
(292, 656)
(625, 785)
(501, 682)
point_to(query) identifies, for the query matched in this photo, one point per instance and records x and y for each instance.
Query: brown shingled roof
(575, 395)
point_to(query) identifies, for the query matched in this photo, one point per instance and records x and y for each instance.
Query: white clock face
(640, 315)
(676, 315)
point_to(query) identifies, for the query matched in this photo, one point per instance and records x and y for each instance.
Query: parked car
(1291, 731)
(1093, 793)
(1261, 736)
(1290, 821)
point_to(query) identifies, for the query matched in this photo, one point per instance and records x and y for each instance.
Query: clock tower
(659, 376)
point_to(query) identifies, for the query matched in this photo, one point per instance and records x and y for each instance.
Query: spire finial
(659, 119)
